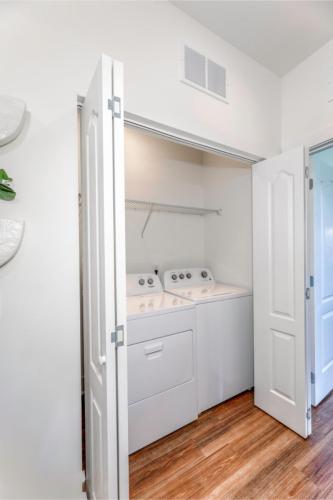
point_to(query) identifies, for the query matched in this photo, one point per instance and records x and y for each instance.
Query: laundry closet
(188, 226)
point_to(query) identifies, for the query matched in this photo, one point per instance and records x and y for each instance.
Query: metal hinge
(308, 414)
(117, 336)
(313, 378)
(80, 102)
(307, 172)
(310, 184)
(311, 281)
(115, 106)
(307, 293)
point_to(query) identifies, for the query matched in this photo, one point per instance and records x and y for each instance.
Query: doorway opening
(321, 242)
(195, 216)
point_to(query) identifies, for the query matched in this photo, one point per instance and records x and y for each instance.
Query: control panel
(142, 284)
(176, 278)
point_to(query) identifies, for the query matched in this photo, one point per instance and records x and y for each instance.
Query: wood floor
(236, 451)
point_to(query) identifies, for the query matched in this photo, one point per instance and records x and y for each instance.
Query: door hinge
(311, 281)
(310, 184)
(308, 414)
(117, 337)
(313, 378)
(307, 172)
(114, 105)
(307, 293)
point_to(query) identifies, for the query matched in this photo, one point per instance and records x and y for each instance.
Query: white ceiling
(278, 34)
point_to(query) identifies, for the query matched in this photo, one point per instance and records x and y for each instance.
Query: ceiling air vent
(204, 74)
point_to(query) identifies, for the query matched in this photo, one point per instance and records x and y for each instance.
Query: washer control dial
(174, 277)
(181, 276)
(188, 276)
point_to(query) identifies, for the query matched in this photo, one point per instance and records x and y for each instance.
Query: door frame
(313, 149)
(187, 139)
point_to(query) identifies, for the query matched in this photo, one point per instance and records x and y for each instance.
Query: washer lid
(214, 291)
(157, 303)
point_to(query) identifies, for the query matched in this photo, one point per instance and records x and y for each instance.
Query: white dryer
(162, 392)
(224, 333)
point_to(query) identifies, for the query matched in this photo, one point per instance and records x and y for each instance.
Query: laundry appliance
(224, 333)
(162, 391)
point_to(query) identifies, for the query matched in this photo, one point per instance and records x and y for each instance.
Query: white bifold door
(103, 257)
(322, 354)
(279, 290)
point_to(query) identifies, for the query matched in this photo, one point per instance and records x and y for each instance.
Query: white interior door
(104, 284)
(279, 260)
(322, 359)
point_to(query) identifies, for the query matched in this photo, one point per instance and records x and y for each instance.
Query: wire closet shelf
(151, 207)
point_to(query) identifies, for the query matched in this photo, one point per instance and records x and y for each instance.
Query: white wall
(307, 116)
(48, 54)
(228, 238)
(163, 172)
(39, 316)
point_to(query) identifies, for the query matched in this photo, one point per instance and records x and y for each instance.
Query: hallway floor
(235, 450)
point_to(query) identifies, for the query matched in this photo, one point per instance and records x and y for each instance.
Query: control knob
(174, 277)
(188, 276)
(204, 274)
(150, 281)
(181, 276)
(141, 281)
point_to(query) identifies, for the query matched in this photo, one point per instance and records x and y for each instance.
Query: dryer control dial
(204, 274)
(141, 281)
(150, 281)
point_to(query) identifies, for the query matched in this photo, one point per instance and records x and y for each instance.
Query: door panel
(322, 169)
(279, 289)
(99, 218)
(282, 257)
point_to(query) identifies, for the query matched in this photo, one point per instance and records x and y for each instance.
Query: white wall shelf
(162, 207)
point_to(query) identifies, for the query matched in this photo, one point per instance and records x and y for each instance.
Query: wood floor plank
(237, 451)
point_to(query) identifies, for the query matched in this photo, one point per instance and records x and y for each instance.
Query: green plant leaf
(4, 176)
(6, 193)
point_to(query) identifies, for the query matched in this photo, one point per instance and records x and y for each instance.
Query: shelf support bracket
(147, 220)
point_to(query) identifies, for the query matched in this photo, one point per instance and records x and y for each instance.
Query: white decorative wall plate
(12, 113)
(11, 234)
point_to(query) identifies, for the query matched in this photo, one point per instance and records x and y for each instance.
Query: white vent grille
(204, 74)
(195, 67)
(216, 78)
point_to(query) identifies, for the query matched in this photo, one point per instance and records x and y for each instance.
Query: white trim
(321, 146)
(187, 139)
(309, 304)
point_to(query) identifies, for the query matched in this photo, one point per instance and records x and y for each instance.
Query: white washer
(224, 333)
(162, 392)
